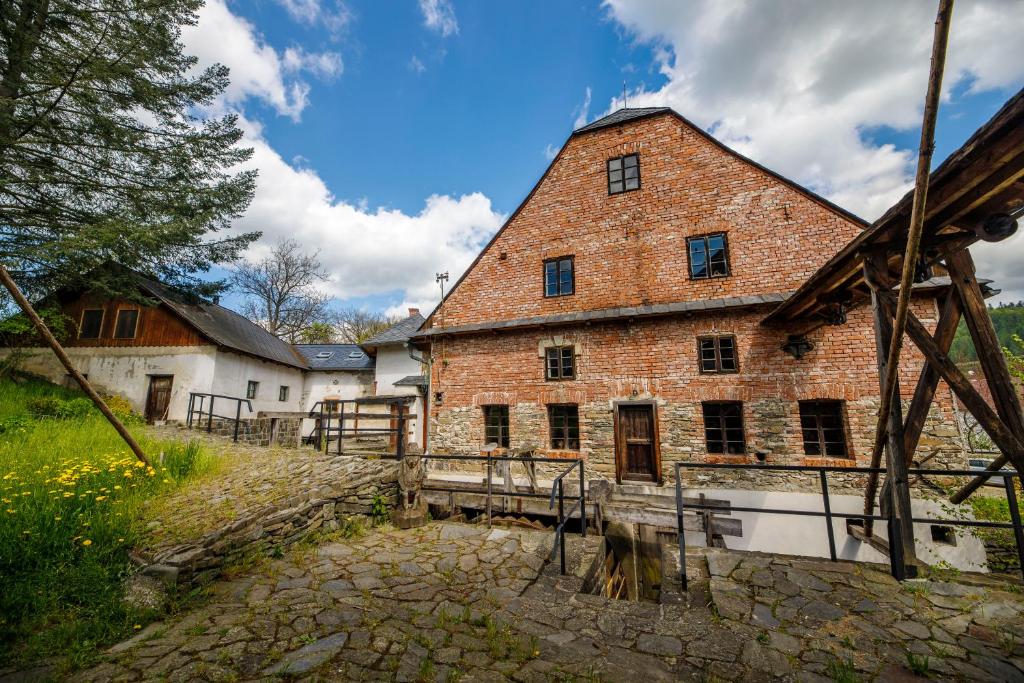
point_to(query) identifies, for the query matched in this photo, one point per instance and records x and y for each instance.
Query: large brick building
(617, 314)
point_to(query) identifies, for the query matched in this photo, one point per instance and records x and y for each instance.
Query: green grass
(71, 497)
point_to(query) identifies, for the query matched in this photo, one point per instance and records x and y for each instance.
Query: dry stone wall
(349, 487)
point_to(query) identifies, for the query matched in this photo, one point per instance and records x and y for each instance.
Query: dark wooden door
(396, 410)
(636, 438)
(159, 397)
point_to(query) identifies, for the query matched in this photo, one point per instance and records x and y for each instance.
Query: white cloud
(325, 65)
(416, 65)
(582, 111)
(439, 15)
(335, 17)
(365, 251)
(550, 152)
(796, 85)
(257, 70)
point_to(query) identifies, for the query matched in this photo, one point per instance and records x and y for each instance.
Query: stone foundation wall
(260, 431)
(356, 482)
(772, 426)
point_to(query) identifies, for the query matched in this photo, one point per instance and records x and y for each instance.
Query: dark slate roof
(399, 333)
(340, 358)
(620, 116)
(412, 381)
(223, 326)
(604, 314)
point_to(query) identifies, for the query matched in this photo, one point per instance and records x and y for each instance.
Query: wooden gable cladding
(157, 325)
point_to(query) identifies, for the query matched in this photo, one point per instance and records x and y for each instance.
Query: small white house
(337, 372)
(157, 349)
(399, 371)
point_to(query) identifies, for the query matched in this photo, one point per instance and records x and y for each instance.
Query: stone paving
(450, 602)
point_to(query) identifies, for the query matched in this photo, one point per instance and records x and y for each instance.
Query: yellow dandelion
(137, 626)
(120, 540)
(87, 542)
(100, 498)
(10, 511)
(117, 488)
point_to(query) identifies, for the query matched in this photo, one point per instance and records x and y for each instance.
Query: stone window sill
(828, 462)
(719, 459)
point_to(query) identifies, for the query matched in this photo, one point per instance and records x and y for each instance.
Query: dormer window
(559, 276)
(324, 354)
(624, 174)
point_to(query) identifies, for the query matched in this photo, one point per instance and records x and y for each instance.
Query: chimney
(413, 311)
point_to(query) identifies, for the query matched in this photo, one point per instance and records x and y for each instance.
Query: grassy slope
(71, 496)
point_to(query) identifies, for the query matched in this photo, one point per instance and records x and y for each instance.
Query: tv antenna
(441, 278)
(625, 102)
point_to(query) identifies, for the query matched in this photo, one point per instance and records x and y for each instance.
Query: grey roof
(674, 308)
(223, 326)
(620, 116)
(399, 333)
(341, 356)
(412, 381)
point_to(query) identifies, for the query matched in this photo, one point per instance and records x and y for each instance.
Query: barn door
(636, 456)
(158, 400)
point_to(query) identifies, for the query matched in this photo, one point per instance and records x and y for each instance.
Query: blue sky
(396, 136)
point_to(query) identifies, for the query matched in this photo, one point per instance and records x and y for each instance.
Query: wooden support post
(897, 485)
(889, 395)
(999, 432)
(990, 356)
(65, 360)
(928, 382)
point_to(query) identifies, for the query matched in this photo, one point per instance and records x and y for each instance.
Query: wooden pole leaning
(924, 160)
(62, 356)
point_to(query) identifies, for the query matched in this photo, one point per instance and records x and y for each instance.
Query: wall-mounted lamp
(798, 346)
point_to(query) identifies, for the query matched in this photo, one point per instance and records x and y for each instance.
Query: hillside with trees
(1009, 322)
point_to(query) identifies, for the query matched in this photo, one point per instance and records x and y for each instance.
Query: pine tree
(105, 154)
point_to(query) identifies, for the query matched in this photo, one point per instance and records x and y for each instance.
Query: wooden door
(396, 410)
(636, 438)
(159, 398)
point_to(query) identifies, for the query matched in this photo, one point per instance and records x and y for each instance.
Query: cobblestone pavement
(449, 602)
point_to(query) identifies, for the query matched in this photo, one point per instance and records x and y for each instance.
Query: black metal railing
(895, 549)
(557, 495)
(199, 410)
(333, 419)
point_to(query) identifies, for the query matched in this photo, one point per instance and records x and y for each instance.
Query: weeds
(918, 664)
(71, 508)
(842, 671)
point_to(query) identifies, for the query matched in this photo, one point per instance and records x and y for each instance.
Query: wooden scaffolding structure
(976, 194)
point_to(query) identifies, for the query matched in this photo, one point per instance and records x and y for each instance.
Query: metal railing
(205, 411)
(895, 549)
(557, 494)
(324, 416)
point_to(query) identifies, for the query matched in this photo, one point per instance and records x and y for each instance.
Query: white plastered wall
(394, 363)
(334, 385)
(125, 371)
(233, 372)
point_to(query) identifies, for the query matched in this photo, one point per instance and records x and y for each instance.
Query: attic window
(325, 354)
(126, 323)
(355, 354)
(92, 322)
(624, 174)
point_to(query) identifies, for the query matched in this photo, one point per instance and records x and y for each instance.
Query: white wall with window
(234, 372)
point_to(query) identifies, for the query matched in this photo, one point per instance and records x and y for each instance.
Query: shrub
(183, 460)
(74, 409)
(44, 406)
(121, 408)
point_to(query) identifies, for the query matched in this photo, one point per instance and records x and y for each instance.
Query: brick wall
(657, 360)
(629, 250)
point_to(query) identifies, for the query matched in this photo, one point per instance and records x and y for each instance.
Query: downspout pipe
(425, 390)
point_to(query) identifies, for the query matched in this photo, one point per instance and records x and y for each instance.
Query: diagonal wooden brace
(1000, 433)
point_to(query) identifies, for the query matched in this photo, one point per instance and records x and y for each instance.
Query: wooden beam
(986, 342)
(897, 485)
(928, 381)
(1000, 434)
